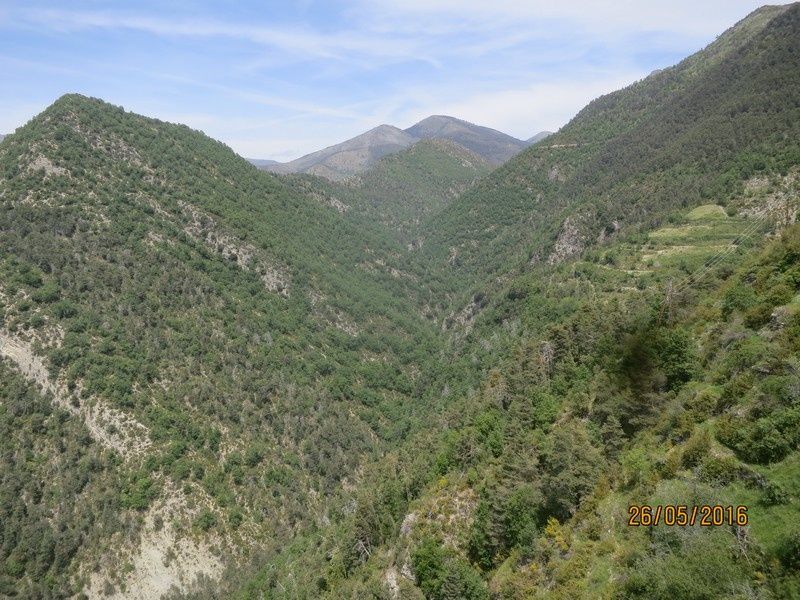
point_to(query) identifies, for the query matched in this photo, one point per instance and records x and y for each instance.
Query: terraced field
(708, 234)
(684, 252)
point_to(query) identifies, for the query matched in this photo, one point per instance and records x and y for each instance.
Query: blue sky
(280, 79)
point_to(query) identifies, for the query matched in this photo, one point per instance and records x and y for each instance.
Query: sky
(281, 79)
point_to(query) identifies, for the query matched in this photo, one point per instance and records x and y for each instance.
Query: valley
(438, 362)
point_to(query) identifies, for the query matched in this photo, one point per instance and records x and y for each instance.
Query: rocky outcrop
(203, 227)
(569, 242)
(108, 426)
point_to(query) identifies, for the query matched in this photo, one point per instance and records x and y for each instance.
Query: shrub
(46, 294)
(206, 520)
(720, 470)
(774, 494)
(443, 576)
(789, 552)
(139, 491)
(695, 449)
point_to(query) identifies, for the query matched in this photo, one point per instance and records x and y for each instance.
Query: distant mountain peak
(493, 145)
(384, 128)
(442, 121)
(539, 137)
(354, 156)
(350, 157)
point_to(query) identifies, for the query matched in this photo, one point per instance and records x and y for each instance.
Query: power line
(720, 256)
(714, 261)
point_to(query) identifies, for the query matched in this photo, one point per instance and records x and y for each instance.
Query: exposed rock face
(390, 577)
(42, 163)
(775, 199)
(165, 558)
(110, 427)
(569, 242)
(203, 228)
(465, 318)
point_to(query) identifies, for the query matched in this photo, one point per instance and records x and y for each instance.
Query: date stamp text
(683, 515)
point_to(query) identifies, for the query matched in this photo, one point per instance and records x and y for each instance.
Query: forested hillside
(210, 328)
(434, 381)
(637, 157)
(619, 313)
(495, 147)
(633, 312)
(401, 190)
(348, 159)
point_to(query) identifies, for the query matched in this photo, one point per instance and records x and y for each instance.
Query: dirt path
(108, 426)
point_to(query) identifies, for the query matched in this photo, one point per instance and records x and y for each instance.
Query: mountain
(351, 157)
(1, 137)
(354, 156)
(218, 382)
(494, 146)
(539, 137)
(178, 326)
(401, 189)
(632, 299)
(404, 188)
(262, 163)
(669, 134)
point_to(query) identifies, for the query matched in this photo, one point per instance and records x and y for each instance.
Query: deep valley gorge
(437, 362)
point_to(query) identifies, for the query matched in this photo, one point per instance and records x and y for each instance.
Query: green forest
(436, 380)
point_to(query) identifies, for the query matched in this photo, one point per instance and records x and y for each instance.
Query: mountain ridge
(249, 385)
(493, 145)
(353, 156)
(401, 189)
(605, 143)
(189, 241)
(539, 137)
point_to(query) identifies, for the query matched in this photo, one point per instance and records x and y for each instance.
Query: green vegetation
(60, 493)
(403, 189)
(257, 335)
(432, 382)
(632, 160)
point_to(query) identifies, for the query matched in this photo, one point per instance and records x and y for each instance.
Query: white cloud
(291, 40)
(527, 110)
(521, 112)
(687, 17)
(516, 65)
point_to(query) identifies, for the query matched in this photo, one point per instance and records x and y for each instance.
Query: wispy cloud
(529, 109)
(285, 79)
(687, 17)
(300, 42)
